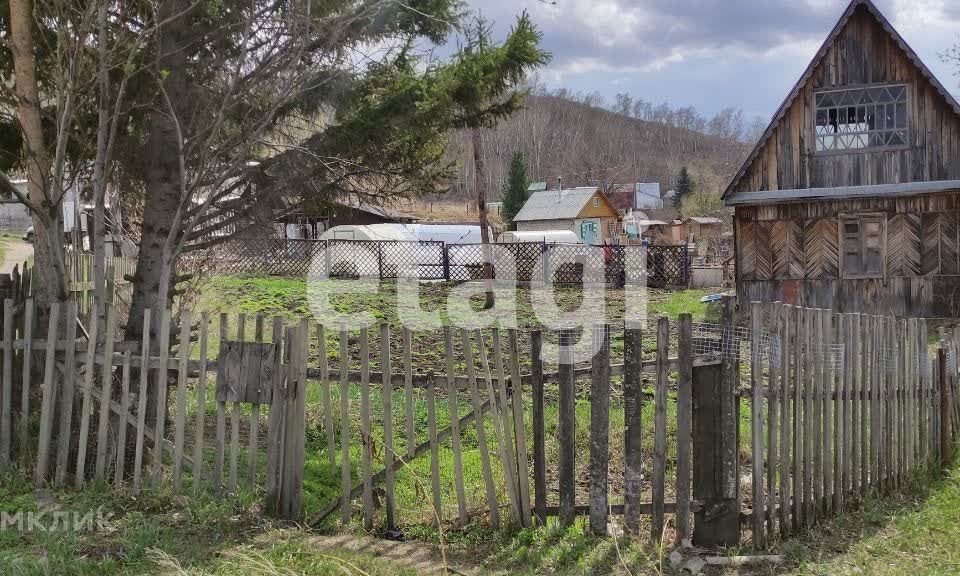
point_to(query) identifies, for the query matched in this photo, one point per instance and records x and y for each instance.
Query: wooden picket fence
(121, 440)
(843, 405)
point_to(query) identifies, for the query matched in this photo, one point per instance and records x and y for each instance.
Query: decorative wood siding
(863, 53)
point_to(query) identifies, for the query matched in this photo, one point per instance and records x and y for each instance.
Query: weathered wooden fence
(84, 413)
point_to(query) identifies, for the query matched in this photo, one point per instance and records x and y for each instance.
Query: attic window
(596, 202)
(862, 118)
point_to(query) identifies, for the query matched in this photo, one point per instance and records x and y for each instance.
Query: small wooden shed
(851, 198)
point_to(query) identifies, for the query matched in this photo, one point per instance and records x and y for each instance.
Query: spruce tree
(515, 192)
(684, 187)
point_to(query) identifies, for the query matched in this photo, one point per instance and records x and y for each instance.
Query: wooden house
(586, 210)
(851, 198)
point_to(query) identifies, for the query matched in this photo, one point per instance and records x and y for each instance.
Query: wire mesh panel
(667, 266)
(423, 260)
(267, 256)
(465, 261)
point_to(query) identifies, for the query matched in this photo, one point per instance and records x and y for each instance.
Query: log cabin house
(851, 198)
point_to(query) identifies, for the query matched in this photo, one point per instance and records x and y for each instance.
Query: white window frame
(880, 116)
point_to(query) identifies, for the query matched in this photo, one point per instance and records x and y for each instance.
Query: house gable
(862, 51)
(604, 209)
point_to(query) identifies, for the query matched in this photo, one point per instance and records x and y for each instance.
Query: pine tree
(684, 187)
(515, 192)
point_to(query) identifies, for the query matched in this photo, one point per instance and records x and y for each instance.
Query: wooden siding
(863, 53)
(787, 246)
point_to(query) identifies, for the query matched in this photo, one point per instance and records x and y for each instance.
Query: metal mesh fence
(565, 264)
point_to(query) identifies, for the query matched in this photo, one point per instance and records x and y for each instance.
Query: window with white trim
(862, 118)
(862, 246)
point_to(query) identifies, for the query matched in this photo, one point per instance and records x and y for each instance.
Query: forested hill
(586, 143)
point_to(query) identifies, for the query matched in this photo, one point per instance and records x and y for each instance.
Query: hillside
(569, 136)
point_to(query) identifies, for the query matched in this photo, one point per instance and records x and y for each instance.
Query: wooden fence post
(539, 440)
(945, 449)
(632, 414)
(599, 428)
(715, 477)
(566, 431)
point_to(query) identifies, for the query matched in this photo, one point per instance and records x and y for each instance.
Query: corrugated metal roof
(705, 220)
(555, 204)
(806, 194)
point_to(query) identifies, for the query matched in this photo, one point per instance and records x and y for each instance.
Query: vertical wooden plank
(819, 360)
(566, 431)
(774, 350)
(660, 429)
(492, 504)
(633, 424)
(161, 393)
(809, 380)
(798, 373)
(929, 436)
(599, 428)
(520, 433)
(852, 356)
(65, 429)
(840, 407)
(6, 398)
(201, 405)
(828, 395)
(221, 441)
(539, 435)
(327, 403)
(875, 343)
(388, 453)
(345, 425)
(684, 424)
(365, 429)
(452, 394)
(756, 424)
(180, 425)
(141, 400)
(408, 392)
(106, 385)
(118, 470)
(235, 420)
(49, 394)
(434, 450)
(787, 353)
(253, 449)
(276, 422)
(509, 446)
(25, 391)
(508, 473)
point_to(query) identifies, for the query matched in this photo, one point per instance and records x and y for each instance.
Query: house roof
(876, 190)
(536, 186)
(621, 196)
(555, 204)
(811, 68)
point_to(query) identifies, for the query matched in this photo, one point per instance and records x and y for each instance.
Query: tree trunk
(484, 227)
(49, 282)
(100, 173)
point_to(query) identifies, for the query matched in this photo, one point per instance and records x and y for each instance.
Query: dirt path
(422, 558)
(15, 251)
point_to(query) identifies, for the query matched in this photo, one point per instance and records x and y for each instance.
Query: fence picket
(434, 451)
(507, 431)
(366, 438)
(106, 393)
(27, 357)
(388, 450)
(408, 392)
(490, 490)
(275, 420)
(325, 391)
(599, 428)
(201, 405)
(798, 420)
(118, 468)
(566, 431)
(756, 428)
(141, 400)
(875, 343)
(6, 398)
(633, 424)
(660, 429)
(235, 421)
(221, 418)
(49, 395)
(786, 332)
(539, 438)
(345, 425)
(452, 393)
(65, 428)
(684, 425)
(809, 381)
(183, 352)
(773, 414)
(164, 355)
(253, 448)
(520, 434)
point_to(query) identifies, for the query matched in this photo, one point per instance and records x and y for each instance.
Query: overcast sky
(707, 53)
